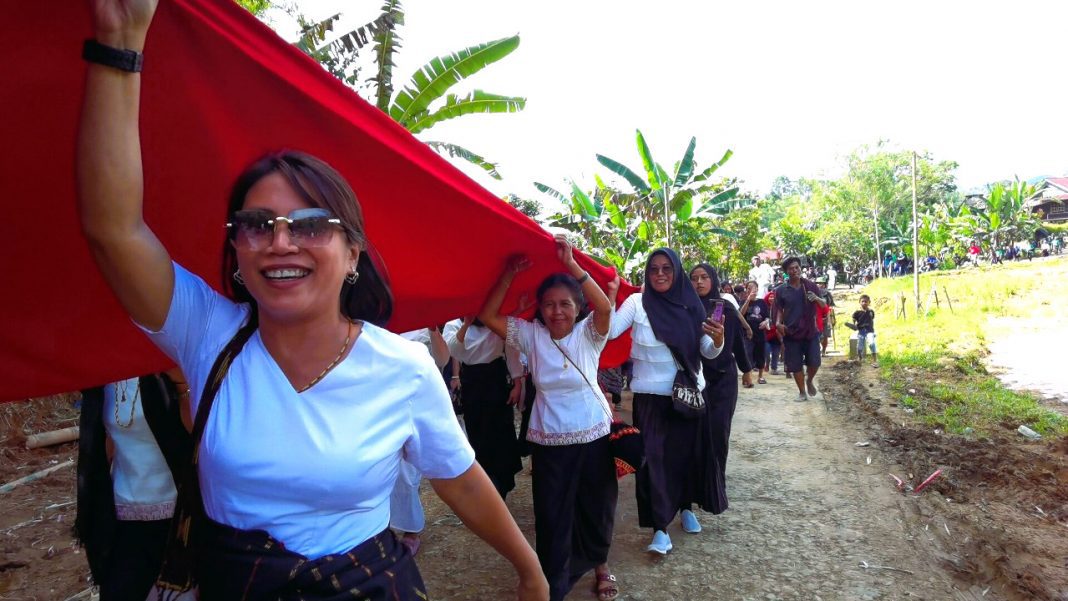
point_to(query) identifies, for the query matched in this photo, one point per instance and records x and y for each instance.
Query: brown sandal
(606, 588)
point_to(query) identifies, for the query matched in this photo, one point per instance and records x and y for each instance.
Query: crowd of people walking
(283, 459)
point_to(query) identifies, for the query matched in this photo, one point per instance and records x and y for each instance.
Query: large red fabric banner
(219, 90)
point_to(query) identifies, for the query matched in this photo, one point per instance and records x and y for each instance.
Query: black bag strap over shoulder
(176, 573)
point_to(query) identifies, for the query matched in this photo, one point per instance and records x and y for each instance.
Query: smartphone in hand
(717, 311)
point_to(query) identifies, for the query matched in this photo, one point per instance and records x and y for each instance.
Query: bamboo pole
(45, 439)
(10, 486)
(949, 301)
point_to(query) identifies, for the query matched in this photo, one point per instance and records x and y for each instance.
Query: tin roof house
(1050, 201)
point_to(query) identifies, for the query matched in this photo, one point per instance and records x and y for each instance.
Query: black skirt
(251, 565)
(665, 481)
(490, 421)
(709, 484)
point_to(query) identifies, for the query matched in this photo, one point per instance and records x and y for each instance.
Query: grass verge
(934, 363)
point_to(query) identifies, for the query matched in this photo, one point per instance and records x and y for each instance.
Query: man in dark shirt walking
(797, 301)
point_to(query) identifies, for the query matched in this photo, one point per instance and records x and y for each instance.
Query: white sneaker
(661, 543)
(801, 398)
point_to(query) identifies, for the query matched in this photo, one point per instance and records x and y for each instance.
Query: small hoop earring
(353, 276)
(238, 278)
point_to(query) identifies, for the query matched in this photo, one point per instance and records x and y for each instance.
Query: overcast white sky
(790, 86)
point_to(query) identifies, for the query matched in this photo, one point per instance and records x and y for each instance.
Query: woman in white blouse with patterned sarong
(574, 480)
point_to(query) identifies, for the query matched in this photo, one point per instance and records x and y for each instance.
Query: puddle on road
(1025, 354)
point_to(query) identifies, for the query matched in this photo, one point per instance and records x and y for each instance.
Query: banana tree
(425, 101)
(610, 235)
(673, 194)
(1004, 214)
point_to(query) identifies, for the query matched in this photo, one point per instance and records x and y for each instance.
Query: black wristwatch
(124, 60)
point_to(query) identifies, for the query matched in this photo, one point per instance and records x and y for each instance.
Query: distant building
(1050, 201)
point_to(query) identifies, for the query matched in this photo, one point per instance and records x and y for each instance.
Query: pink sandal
(606, 588)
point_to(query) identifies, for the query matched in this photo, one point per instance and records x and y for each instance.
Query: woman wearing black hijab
(709, 487)
(668, 320)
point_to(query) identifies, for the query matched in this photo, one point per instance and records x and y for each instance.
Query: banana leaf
(717, 200)
(552, 192)
(387, 42)
(625, 172)
(435, 78)
(652, 176)
(615, 215)
(456, 106)
(582, 203)
(685, 168)
(707, 173)
(459, 152)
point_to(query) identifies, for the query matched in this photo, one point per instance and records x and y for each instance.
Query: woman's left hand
(714, 329)
(564, 252)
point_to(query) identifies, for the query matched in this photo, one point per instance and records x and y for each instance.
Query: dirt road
(807, 509)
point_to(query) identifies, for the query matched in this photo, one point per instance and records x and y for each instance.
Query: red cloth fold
(219, 90)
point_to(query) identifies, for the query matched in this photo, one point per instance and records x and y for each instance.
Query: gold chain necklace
(122, 388)
(333, 363)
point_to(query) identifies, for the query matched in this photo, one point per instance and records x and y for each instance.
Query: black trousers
(575, 493)
(664, 482)
(135, 559)
(490, 421)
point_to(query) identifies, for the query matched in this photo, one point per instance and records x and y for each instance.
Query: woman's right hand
(123, 23)
(517, 263)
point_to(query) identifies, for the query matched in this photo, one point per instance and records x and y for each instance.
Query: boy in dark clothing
(796, 302)
(758, 315)
(864, 320)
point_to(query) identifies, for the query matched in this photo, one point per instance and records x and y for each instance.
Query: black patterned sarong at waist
(251, 565)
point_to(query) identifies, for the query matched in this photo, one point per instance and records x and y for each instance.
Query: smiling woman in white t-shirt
(574, 481)
(305, 404)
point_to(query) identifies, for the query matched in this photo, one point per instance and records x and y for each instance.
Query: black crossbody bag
(686, 399)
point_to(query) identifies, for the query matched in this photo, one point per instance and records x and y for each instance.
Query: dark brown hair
(319, 185)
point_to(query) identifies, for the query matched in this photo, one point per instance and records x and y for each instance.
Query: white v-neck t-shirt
(313, 469)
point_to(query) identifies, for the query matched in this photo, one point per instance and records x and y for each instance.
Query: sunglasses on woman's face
(307, 228)
(658, 269)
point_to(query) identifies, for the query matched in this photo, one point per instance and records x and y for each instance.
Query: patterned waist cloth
(251, 565)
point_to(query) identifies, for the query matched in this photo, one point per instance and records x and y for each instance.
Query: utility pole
(915, 241)
(878, 249)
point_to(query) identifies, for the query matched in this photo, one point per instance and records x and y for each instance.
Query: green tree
(256, 7)
(425, 100)
(606, 231)
(661, 197)
(727, 243)
(1004, 216)
(527, 206)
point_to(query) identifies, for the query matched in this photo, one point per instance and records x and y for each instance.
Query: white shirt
(142, 481)
(730, 299)
(314, 469)
(480, 345)
(421, 336)
(654, 365)
(569, 407)
(764, 276)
